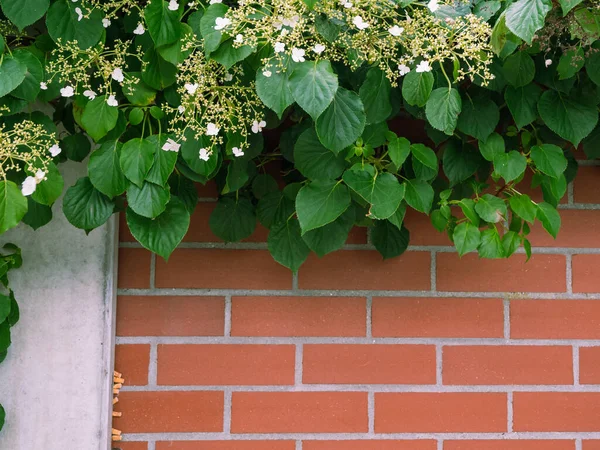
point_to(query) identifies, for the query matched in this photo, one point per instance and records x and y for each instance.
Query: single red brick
(586, 273)
(365, 269)
(556, 411)
(424, 412)
(170, 316)
(134, 268)
(132, 360)
(498, 364)
(298, 316)
(226, 445)
(555, 319)
(543, 273)
(509, 444)
(200, 231)
(591, 445)
(170, 412)
(370, 445)
(299, 412)
(124, 233)
(437, 317)
(578, 229)
(368, 364)
(586, 188)
(226, 364)
(422, 231)
(222, 268)
(589, 369)
(131, 445)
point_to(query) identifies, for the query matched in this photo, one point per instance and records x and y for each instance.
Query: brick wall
(223, 349)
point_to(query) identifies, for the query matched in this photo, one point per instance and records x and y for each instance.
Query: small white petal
(239, 38)
(403, 69)
(212, 2)
(548, 62)
(228, 77)
(212, 129)
(267, 73)
(67, 91)
(118, 75)
(191, 88)
(139, 30)
(318, 49)
(181, 109)
(423, 66)
(396, 30)
(171, 146)
(79, 14)
(298, 54)
(28, 186)
(433, 5)
(204, 155)
(106, 22)
(173, 5)
(39, 176)
(237, 152)
(89, 94)
(360, 23)
(222, 22)
(55, 150)
(112, 101)
(43, 86)
(279, 47)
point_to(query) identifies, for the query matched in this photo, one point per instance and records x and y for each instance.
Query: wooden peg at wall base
(117, 414)
(116, 432)
(117, 374)
(115, 400)
(118, 380)
(116, 438)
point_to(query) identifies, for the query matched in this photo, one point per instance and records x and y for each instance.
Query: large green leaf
(343, 121)
(491, 244)
(274, 90)
(419, 195)
(37, 214)
(425, 156)
(510, 165)
(164, 161)
(519, 69)
(139, 93)
(286, 244)
(13, 205)
(149, 201)
(332, 236)
(491, 208)
(273, 208)
(164, 233)
(4, 344)
(522, 103)
(549, 159)
(479, 118)
(493, 145)
(163, 24)
(320, 203)
(442, 109)
(398, 148)
(63, 23)
(158, 73)
(592, 67)
(315, 161)
(85, 206)
(190, 151)
(568, 5)
(212, 37)
(233, 219)
(12, 74)
(417, 87)
(570, 63)
(523, 207)
(525, 17)
(467, 238)
(459, 162)
(24, 12)
(4, 307)
(375, 96)
(48, 191)
(227, 54)
(76, 146)
(388, 239)
(104, 169)
(137, 156)
(549, 217)
(313, 85)
(99, 118)
(30, 86)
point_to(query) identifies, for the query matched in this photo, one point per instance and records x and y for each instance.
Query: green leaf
(4, 344)
(48, 191)
(76, 146)
(212, 37)
(491, 208)
(419, 195)
(320, 203)
(425, 156)
(274, 91)
(228, 55)
(238, 174)
(104, 169)
(554, 189)
(286, 244)
(162, 23)
(570, 63)
(99, 118)
(24, 12)
(30, 86)
(510, 165)
(315, 161)
(467, 238)
(568, 5)
(549, 159)
(417, 87)
(63, 23)
(139, 93)
(158, 73)
(388, 239)
(398, 149)
(185, 190)
(523, 207)
(164, 161)
(332, 236)
(313, 85)
(479, 118)
(37, 214)
(274, 207)
(149, 201)
(493, 146)
(519, 69)
(176, 53)
(549, 217)
(164, 233)
(510, 242)
(263, 184)
(233, 219)
(442, 109)
(467, 206)
(343, 121)
(459, 162)
(487, 9)
(137, 156)
(491, 244)
(525, 17)
(86, 207)
(4, 307)
(382, 190)
(522, 103)
(592, 67)
(13, 205)
(190, 151)
(566, 116)
(12, 74)
(375, 95)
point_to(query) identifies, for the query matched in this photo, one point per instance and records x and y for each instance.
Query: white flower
(89, 94)
(279, 47)
(212, 2)
(318, 49)
(222, 22)
(67, 91)
(267, 73)
(106, 22)
(55, 150)
(79, 14)
(278, 24)
(228, 77)
(433, 5)
(291, 22)
(173, 5)
(139, 30)
(112, 101)
(360, 23)
(181, 109)
(548, 62)
(298, 54)
(239, 38)
(237, 152)
(257, 126)
(39, 176)
(117, 75)
(28, 186)
(191, 88)
(347, 4)
(396, 30)
(284, 32)
(43, 86)
(212, 129)
(404, 69)
(191, 4)
(171, 146)
(423, 66)
(204, 155)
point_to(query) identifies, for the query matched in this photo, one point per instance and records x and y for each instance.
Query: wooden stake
(117, 414)
(115, 400)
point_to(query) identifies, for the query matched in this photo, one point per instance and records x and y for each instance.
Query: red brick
(298, 316)
(589, 367)
(586, 188)
(586, 273)
(200, 231)
(226, 364)
(496, 364)
(543, 273)
(591, 445)
(134, 268)
(509, 444)
(357, 235)
(368, 364)
(556, 411)
(365, 269)
(226, 445)
(437, 317)
(208, 190)
(170, 316)
(370, 445)
(417, 412)
(131, 445)
(555, 319)
(124, 233)
(222, 268)
(170, 412)
(578, 229)
(132, 360)
(422, 231)
(299, 412)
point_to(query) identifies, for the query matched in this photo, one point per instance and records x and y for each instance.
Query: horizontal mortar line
(182, 340)
(356, 293)
(588, 162)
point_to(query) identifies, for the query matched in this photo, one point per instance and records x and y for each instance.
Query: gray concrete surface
(56, 381)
